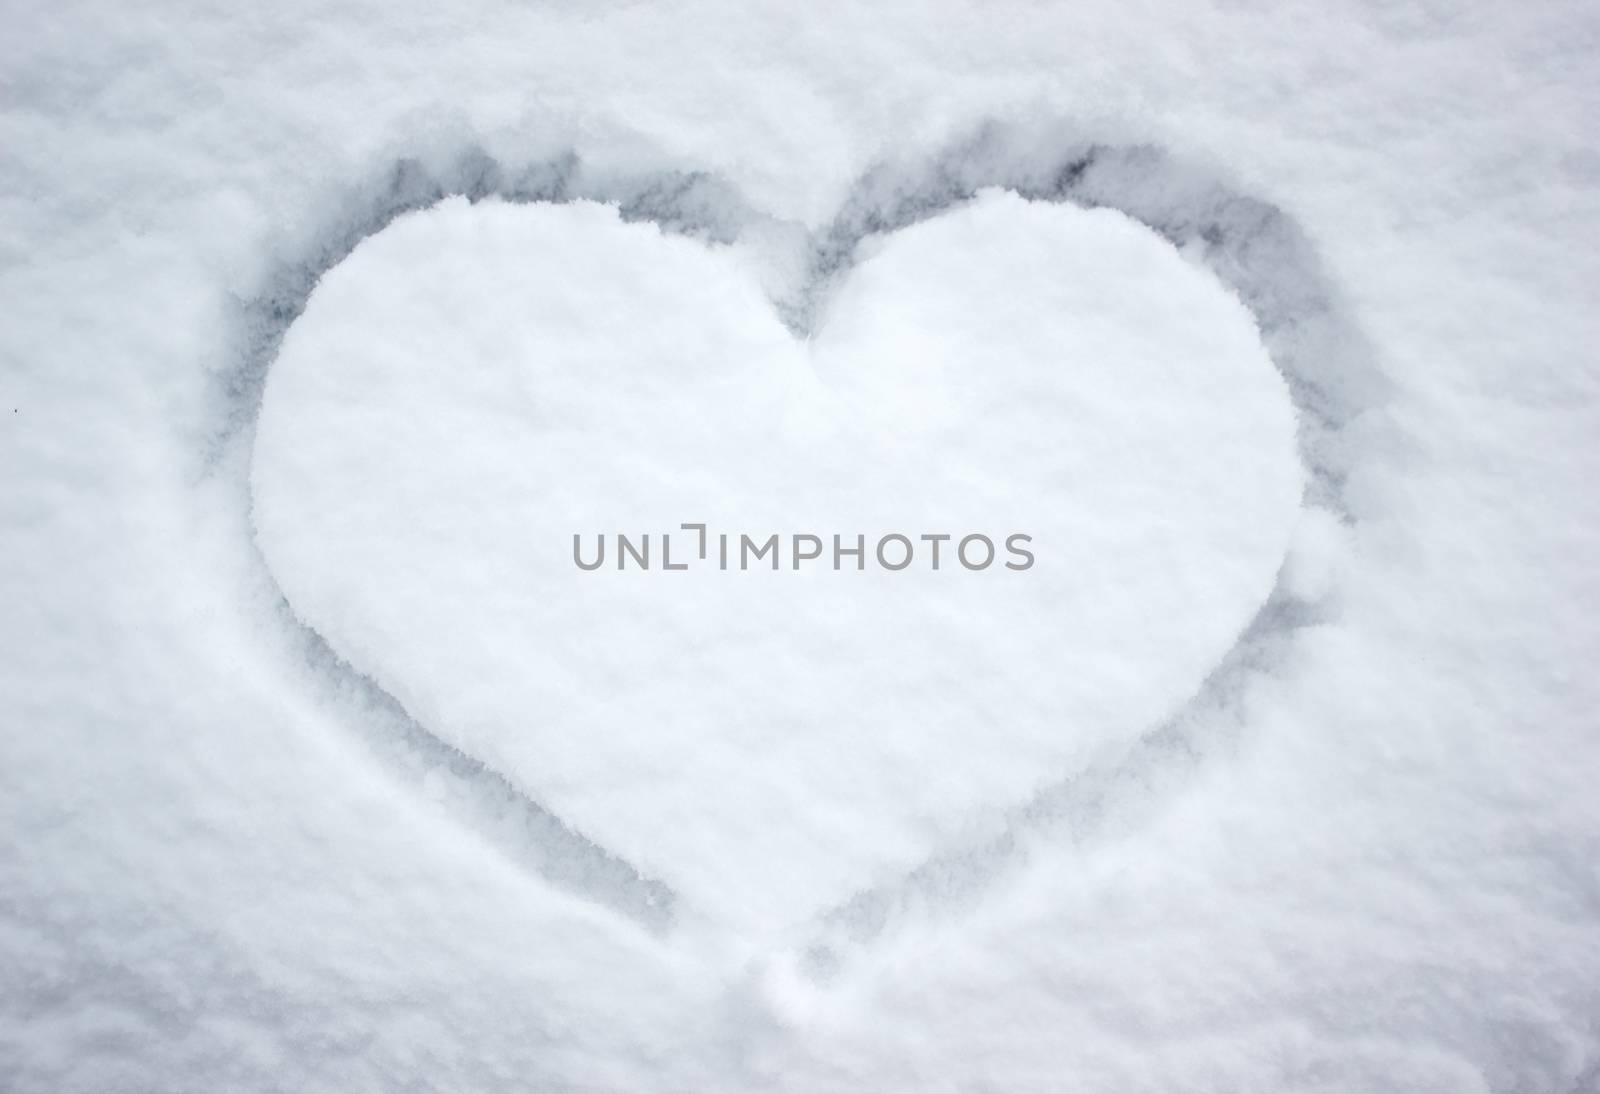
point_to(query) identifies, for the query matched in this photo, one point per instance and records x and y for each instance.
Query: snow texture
(308, 777)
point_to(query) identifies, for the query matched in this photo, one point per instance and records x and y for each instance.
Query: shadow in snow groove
(1249, 245)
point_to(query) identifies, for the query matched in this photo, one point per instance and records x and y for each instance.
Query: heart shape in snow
(476, 385)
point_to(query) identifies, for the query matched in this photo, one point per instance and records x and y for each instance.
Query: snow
(256, 835)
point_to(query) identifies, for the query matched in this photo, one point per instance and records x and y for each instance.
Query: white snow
(1361, 858)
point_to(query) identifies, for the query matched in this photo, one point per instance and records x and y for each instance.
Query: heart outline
(1252, 247)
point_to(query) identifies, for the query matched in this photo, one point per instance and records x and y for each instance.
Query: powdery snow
(240, 853)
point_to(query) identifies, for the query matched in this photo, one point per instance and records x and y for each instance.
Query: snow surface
(239, 847)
